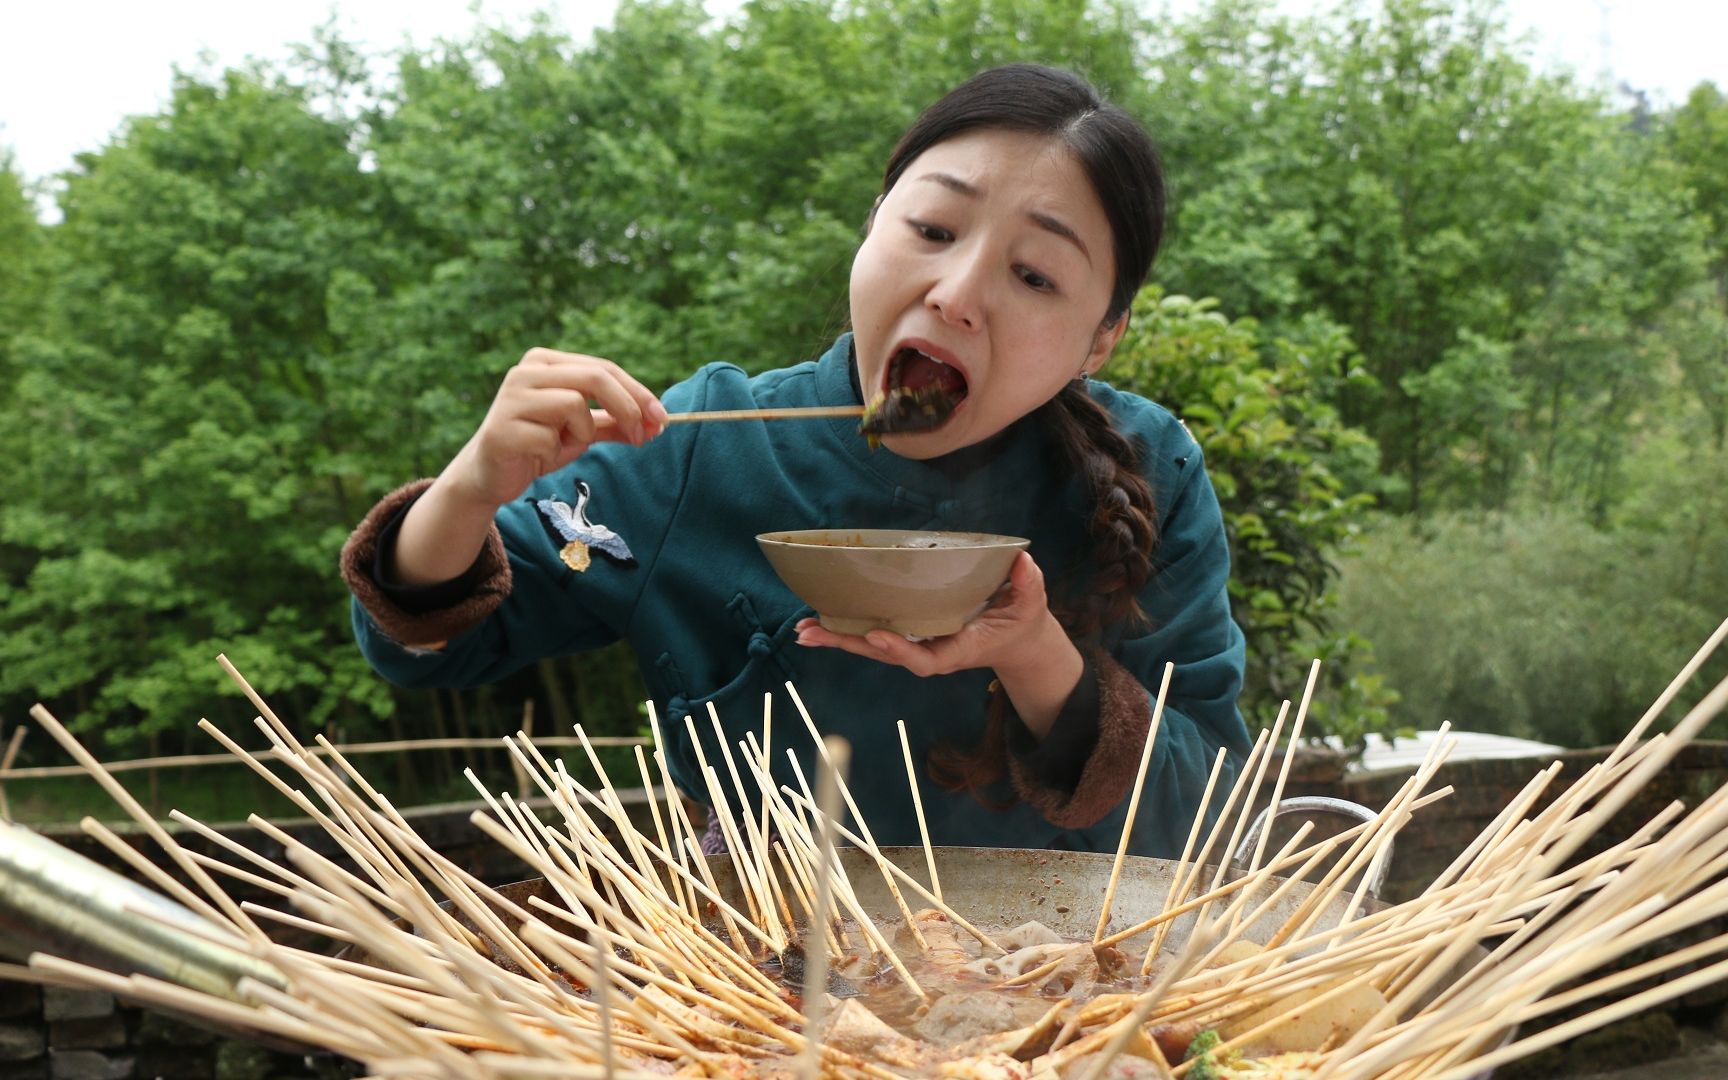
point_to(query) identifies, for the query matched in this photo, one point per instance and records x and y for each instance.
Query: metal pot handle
(1312, 804)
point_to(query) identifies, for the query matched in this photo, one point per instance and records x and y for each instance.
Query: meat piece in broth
(949, 946)
(855, 1029)
(955, 1018)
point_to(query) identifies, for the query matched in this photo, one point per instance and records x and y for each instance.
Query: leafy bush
(1533, 625)
(1278, 455)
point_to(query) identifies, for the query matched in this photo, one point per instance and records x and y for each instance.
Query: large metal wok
(53, 900)
(1064, 890)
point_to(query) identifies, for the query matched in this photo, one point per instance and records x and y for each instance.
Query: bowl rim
(798, 538)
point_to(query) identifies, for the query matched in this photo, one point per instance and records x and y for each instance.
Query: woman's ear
(1103, 345)
(870, 218)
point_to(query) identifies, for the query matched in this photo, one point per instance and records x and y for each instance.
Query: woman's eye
(936, 234)
(1036, 280)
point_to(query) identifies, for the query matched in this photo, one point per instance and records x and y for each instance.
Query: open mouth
(922, 393)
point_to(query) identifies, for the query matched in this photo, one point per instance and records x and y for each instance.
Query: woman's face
(991, 255)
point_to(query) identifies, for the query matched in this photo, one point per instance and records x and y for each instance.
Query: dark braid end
(1122, 529)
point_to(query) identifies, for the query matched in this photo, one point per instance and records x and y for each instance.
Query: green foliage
(23, 280)
(174, 483)
(1497, 243)
(1275, 449)
(1697, 138)
(291, 290)
(1536, 624)
(22, 250)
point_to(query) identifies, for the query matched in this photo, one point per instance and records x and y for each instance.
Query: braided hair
(1120, 160)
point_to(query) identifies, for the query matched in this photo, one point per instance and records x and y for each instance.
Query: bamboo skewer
(1535, 864)
(761, 873)
(1324, 847)
(918, 808)
(849, 898)
(126, 802)
(830, 781)
(721, 810)
(883, 862)
(1258, 771)
(1289, 760)
(1191, 874)
(6, 760)
(1134, 801)
(817, 412)
(623, 913)
(858, 818)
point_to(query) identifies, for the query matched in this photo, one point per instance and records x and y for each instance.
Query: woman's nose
(957, 294)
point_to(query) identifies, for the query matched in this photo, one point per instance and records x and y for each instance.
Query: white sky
(72, 70)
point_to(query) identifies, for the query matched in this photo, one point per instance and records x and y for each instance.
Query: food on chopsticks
(639, 957)
(921, 393)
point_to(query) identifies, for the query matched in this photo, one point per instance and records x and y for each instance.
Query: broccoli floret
(1200, 1052)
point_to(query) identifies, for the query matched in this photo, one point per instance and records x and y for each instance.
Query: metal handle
(1316, 804)
(54, 900)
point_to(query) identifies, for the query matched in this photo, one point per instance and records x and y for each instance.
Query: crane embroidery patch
(581, 536)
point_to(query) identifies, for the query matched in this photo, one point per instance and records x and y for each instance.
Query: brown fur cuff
(1124, 718)
(431, 629)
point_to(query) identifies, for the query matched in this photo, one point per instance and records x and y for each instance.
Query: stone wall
(57, 1034)
(62, 1034)
(1439, 832)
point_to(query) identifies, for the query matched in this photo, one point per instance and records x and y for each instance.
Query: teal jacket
(711, 623)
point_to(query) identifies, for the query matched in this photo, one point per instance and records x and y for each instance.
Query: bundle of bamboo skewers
(638, 959)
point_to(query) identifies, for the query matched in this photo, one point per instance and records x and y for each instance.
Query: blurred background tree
(1454, 335)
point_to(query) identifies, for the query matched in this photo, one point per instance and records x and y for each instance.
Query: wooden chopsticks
(815, 413)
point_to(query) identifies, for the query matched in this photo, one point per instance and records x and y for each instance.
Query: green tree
(1278, 456)
(23, 279)
(175, 488)
(1227, 97)
(293, 290)
(22, 245)
(1496, 242)
(1697, 138)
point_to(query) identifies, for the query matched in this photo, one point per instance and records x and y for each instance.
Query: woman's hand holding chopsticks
(551, 408)
(539, 421)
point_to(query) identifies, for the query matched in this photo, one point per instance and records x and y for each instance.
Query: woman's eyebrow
(1044, 221)
(1055, 225)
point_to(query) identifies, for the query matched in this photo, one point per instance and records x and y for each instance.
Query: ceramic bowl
(921, 584)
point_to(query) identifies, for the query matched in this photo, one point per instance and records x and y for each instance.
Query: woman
(1019, 215)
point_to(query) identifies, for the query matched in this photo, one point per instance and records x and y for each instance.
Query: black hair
(1113, 149)
(1121, 161)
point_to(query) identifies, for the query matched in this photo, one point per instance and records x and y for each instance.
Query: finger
(634, 408)
(554, 407)
(569, 409)
(916, 657)
(538, 443)
(630, 404)
(607, 429)
(1025, 573)
(1024, 587)
(543, 357)
(818, 637)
